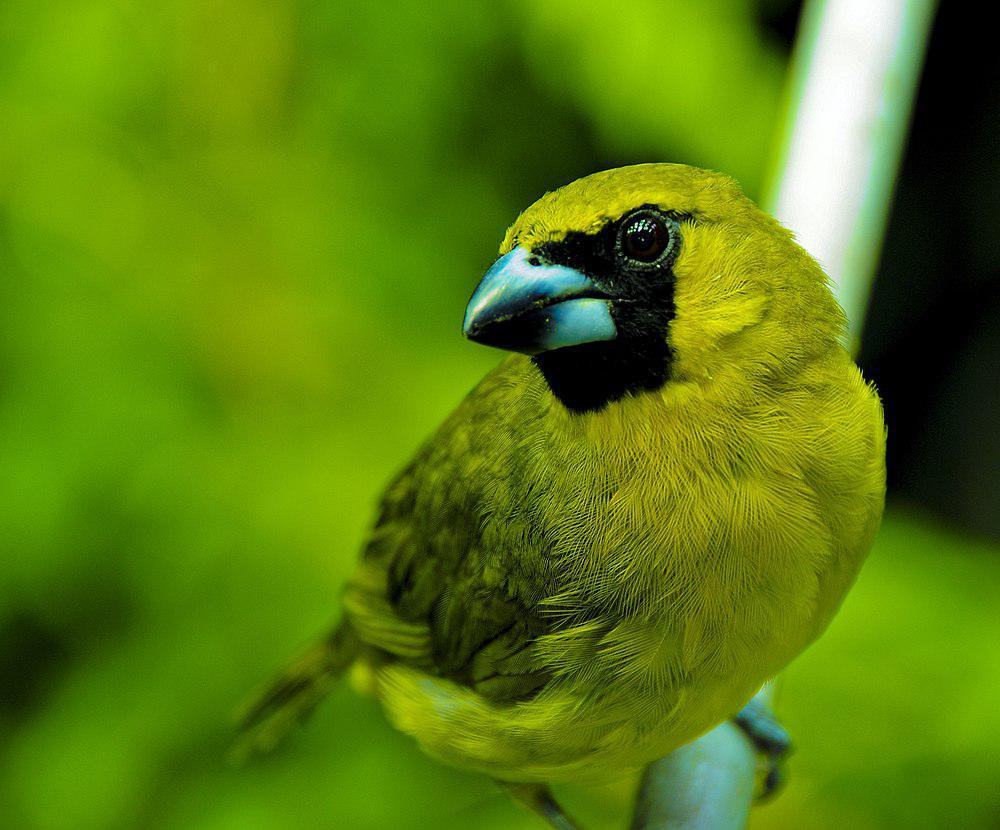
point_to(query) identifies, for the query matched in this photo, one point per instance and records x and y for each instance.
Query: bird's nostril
(534, 261)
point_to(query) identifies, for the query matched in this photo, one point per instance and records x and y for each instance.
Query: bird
(656, 500)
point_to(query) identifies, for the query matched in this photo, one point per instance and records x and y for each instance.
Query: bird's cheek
(708, 329)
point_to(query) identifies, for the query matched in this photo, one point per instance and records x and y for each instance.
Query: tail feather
(276, 709)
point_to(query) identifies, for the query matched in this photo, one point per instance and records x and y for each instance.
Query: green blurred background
(236, 241)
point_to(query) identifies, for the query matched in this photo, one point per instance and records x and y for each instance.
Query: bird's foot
(539, 799)
(770, 739)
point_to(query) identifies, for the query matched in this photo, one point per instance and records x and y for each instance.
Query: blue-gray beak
(525, 305)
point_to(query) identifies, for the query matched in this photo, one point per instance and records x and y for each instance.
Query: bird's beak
(525, 305)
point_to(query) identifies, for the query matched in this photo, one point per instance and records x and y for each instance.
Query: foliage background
(236, 241)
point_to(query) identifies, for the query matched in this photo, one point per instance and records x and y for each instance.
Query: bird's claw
(770, 739)
(539, 799)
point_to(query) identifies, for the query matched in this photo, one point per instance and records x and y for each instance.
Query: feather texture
(548, 595)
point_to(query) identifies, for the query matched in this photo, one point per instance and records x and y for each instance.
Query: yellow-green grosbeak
(640, 516)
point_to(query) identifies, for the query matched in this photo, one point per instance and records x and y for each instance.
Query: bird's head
(633, 279)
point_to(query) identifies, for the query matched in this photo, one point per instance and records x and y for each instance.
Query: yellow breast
(698, 538)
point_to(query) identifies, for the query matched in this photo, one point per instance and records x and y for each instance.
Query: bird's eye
(644, 236)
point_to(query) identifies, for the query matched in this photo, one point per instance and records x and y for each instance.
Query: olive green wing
(427, 591)
(424, 594)
(420, 596)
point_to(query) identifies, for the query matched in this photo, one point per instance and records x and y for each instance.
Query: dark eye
(644, 237)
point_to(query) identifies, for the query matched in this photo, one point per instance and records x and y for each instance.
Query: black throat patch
(586, 378)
